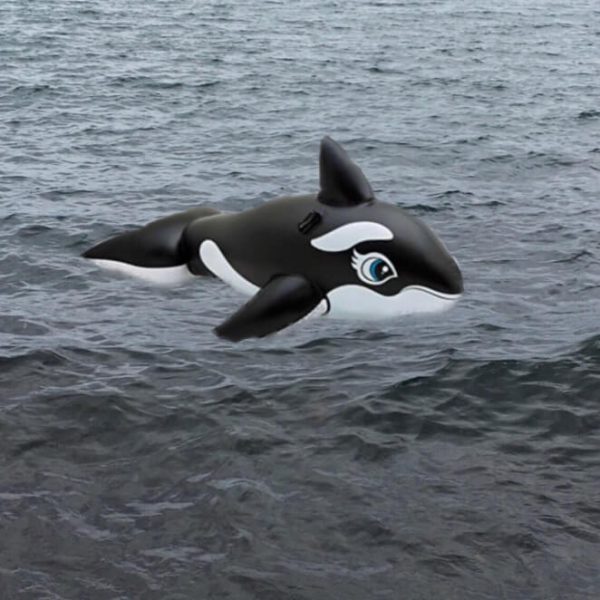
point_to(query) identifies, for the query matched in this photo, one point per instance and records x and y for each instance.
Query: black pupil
(381, 270)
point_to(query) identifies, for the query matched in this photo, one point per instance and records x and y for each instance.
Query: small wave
(89, 12)
(150, 83)
(589, 114)
(363, 447)
(383, 70)
(436, 81)
(574, 257)
(318, 344)
(137, 80)
(560, 422)
(490, 85)
(499, 158)
(465, 141)
(32, 89)
(450, 193)
(58, 195)
(589, 349)
(425, 208)
(490, 203)
(382, 417)
(46, 358)
(20, 326)
(34, 230)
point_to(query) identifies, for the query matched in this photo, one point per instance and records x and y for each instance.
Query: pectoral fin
(281, 302)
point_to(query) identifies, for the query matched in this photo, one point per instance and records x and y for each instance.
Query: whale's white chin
(361, 303)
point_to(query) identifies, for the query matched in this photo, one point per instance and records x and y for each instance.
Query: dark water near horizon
(450, 457)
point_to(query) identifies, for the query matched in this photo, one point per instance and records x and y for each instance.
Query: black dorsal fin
(342, 181)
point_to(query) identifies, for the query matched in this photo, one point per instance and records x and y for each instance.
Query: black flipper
(158, 244)
(281, 302)
(342, 182)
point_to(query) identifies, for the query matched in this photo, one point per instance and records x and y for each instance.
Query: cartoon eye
(373, 268)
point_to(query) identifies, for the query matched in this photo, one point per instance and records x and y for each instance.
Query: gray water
(449, 457)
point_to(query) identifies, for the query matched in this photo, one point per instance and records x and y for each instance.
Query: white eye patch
(347, 236)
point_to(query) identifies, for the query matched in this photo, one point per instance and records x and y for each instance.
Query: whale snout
(449, 278)
(431, 264)
(434, 268)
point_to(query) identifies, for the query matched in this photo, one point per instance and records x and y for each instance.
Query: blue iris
(378, 269)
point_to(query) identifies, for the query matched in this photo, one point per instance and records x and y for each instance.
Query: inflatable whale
(339, 252)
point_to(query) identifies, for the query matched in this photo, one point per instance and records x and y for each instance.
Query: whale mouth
(453, 297)
(362, 303)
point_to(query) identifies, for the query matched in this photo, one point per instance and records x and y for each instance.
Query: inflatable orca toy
(338, 252)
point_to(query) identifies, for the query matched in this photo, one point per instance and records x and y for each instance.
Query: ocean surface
(453, 457)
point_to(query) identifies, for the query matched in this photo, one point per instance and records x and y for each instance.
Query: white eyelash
(356, 259)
